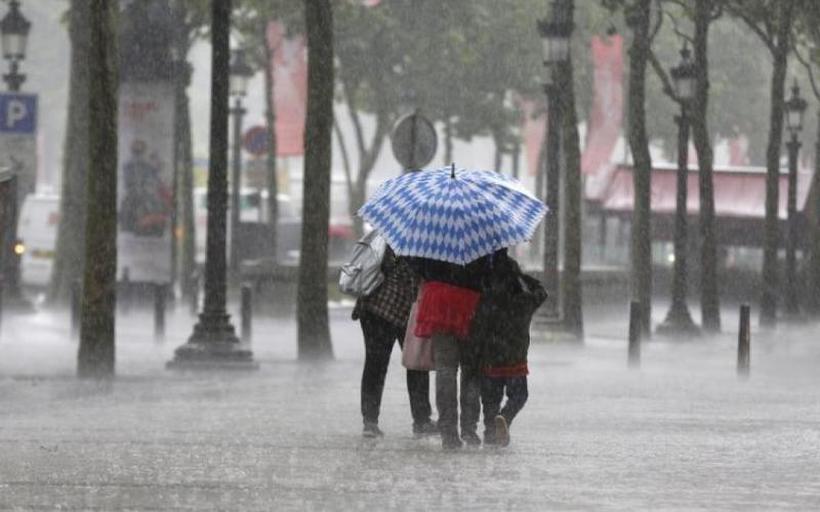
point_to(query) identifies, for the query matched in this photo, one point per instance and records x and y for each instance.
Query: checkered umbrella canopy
(453, 215)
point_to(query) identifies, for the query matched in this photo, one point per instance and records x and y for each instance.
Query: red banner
(606, 117)
(289, 68)
(534, 131)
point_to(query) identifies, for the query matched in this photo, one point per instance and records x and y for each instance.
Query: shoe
(502, 431)
(489, 437)
(470, 437)
(371, 430)
(428, 428)
(450, 441)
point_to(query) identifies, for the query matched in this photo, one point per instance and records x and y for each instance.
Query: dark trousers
(379, 336)
(492, 392)
(469, 397)
(449, 357)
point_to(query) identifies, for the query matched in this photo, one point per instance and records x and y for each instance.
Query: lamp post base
(213, 346)
(678, 324)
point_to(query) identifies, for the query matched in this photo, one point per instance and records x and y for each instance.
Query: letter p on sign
(15, 113)
(18, 113)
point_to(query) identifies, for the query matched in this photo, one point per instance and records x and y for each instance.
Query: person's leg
(516, 397)
(470, 404)
(492, 392)
(378, 344)
(418, 388)
(445, 350)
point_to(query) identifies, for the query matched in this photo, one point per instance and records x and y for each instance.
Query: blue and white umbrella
(453, 215)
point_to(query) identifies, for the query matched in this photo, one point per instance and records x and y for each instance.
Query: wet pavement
(683, 432)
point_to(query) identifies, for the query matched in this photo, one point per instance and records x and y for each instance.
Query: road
(683, 432)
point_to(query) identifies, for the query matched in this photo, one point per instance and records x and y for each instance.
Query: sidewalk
(681, 433)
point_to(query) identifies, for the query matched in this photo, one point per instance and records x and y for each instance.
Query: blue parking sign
(18, 113)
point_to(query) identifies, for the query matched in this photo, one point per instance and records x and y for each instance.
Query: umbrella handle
(453, 170)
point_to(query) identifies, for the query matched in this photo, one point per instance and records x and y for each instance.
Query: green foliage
(458, 60)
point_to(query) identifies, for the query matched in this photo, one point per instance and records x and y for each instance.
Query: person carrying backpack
(501, 335)
(383, 316)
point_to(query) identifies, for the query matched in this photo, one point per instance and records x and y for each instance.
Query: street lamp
(14, 28)
(793, 112)
(240, 74)
(214, 343)
(555, 35)
(678, 320)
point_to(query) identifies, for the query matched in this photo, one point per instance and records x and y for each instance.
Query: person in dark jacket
(452, 354)
(383, 316)
(501, 334)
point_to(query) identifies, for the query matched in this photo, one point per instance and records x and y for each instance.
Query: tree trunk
(516, 159)
(639, 145)
(768, 302)
(367, 160)
(571, 281)
(312, 315)
(96, 353)
(357, 197)
(710, 294)
(552, 222)
(812, 297)
(499, 148)
(68, 260)
(540, 174)
(270, 124)
(184, 154)
(186, 192)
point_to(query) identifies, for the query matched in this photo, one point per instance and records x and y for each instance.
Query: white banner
(145, 195)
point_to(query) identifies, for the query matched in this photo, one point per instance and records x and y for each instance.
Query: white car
(37, 230)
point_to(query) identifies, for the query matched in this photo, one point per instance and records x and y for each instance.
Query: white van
(37, 230)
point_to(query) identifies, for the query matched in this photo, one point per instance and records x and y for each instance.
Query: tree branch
(767, 39)
(348, 92)
(809, 71)
(683, 35)
(658, 23)
(345, 159)
(663, 76)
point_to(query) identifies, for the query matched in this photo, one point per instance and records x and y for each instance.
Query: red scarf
(445, 309)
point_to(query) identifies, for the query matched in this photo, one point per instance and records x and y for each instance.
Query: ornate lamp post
(241, 73)
(678, 320)
(555, 38)
(214, 343)
(14, 29)
(794, 109)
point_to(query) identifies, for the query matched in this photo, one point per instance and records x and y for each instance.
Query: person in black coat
(383, 316)
(500, 334)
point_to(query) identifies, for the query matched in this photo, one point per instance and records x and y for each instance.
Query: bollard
(635, 326)
(743, 343)
(75, 309)
(126, 290)
(246, 312)
(159, 312)
(194, 293)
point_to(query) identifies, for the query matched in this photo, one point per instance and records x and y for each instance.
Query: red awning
(740, 192)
